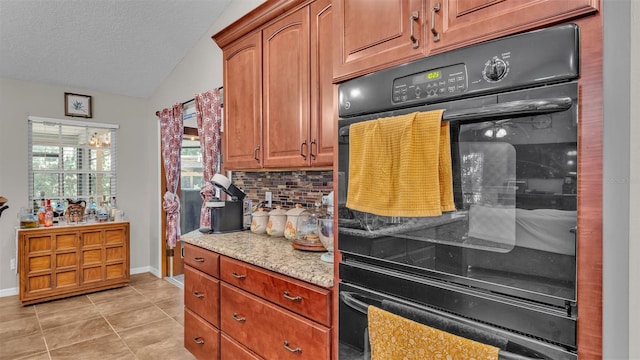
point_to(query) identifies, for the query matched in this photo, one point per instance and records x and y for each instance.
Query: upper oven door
(514, 164)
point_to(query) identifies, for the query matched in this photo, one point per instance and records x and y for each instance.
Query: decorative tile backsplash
(287, 187)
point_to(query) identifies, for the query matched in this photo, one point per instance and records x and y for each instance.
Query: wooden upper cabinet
(324, 113)
(376, 34)
(286, 91)
(463, 22)
(279, 92)
(242, 138)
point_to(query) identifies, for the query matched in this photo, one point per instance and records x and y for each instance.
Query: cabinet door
(323, 92)
(463, 22)
(92, 256)
(374, 34)
(116, 253)
(286, 91)
(242, 137)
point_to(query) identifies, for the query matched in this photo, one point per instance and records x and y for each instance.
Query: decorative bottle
(48, 214)
(41, 209)
(114, 209)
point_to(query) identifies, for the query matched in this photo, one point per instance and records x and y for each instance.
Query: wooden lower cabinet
(65, 261)
(235, 311)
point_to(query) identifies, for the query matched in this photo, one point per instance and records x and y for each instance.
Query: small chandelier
(100, 140)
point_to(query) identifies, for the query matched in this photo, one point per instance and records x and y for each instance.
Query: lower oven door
(353, 328)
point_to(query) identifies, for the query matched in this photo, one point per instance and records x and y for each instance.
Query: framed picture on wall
(77, 105)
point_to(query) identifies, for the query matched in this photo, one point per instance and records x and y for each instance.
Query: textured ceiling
(125, 47)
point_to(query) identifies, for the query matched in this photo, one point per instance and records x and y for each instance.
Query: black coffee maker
(226, 216)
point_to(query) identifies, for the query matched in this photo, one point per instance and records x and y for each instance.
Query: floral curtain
(171, 131)
(209, 117)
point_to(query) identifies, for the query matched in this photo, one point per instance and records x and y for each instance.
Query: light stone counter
(275, 254)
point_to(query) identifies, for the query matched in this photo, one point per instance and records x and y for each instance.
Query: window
(71, 160)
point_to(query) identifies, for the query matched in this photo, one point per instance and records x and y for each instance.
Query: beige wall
(634, 210)
(19, 99)
(199, 71)
(138, 143)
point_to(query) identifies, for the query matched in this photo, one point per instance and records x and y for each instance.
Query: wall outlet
(267, 198)
(12, 264)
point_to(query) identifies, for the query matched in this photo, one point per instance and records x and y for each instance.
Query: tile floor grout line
(46, 346)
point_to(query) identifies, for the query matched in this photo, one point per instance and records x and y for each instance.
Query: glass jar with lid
(28, 219)
(307, 231)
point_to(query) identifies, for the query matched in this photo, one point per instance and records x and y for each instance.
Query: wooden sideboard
(58, 262)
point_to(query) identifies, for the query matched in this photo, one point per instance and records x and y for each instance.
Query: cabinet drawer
(269, 330)
(202, 259)
(202, 295)
(231, 350)
(305, 299)
(200, 338)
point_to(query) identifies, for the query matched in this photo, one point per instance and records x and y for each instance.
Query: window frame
(84, 153)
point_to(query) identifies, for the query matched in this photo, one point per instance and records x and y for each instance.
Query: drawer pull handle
(238, 276)
(198, 295)
(198, 340)
(238, 318)
(296, 350)
(198, 259)
(292, 298)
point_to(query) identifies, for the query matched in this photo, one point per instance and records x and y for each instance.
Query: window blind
(71, 160)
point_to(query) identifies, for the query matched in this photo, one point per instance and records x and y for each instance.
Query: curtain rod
(183, 104)
(186, 102)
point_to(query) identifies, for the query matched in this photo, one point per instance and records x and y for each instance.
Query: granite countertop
(275, 254)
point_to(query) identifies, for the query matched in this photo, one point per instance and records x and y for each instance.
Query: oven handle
(510, 109)
(502, 110)
(348, 298)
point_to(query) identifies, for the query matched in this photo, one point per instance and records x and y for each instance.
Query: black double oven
(504, 261)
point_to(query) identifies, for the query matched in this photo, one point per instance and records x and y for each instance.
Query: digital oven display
(426, 77)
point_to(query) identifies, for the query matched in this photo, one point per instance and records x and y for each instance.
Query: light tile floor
(144, 320)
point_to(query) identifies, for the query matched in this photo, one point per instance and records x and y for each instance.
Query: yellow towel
(401, 166)
(394, 337)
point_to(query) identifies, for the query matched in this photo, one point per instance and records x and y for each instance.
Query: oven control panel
(436, 83)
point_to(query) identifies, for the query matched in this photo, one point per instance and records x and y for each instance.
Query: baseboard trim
(145, 269)
(8, 292)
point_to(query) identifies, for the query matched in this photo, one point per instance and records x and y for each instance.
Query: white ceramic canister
(277, 218)
(259, 221)
(292, 221)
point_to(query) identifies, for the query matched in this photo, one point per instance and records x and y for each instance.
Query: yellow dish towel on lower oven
(401, 166)
(393, 337)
